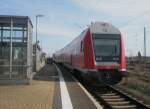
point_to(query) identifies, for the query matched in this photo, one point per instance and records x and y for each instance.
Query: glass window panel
(19, 72)
(4, 51)
(18, 34)
(4, 72)
(106, 47)
(4, 59)
(25, 33)
(6, 33)
(19, 60)
(19, 55)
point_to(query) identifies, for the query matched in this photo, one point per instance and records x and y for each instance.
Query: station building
(15, 49)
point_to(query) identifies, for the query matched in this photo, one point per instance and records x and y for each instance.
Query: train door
(82, 53)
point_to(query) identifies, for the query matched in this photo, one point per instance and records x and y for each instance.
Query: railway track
(110, 97)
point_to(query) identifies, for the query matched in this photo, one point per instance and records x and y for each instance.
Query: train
(97, 53)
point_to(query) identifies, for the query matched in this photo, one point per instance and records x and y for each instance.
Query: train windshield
(106, 47)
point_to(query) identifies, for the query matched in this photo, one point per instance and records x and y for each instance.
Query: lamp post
(36, 44)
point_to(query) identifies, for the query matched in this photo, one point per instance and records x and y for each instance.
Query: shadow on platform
(47, 73)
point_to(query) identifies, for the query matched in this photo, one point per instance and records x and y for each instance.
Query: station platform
(50, 89)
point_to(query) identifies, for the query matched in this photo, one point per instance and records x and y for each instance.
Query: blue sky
(65, 19)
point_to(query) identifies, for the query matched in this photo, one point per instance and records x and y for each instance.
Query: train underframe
(102, 76)
(111, 76)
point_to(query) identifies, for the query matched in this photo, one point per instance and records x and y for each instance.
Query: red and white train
(97, 52)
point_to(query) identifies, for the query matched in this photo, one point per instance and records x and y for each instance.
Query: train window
(106, 46)
(82, 47)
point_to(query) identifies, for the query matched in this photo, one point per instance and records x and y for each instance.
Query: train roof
(103, 28)
(95, 28)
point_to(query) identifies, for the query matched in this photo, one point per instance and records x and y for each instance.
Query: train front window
(106, 47)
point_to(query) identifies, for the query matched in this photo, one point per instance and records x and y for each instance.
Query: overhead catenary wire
(135, 19)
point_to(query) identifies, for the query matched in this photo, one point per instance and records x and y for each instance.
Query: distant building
(15, 49)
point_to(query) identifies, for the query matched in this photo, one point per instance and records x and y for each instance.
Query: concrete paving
(38, 95)
(43, 93)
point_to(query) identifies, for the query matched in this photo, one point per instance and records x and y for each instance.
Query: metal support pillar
(11, 34)
(36, 47)
(144, 42)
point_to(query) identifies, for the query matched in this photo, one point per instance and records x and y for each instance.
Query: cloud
(116, 8)
(57, 30)
(87, 4)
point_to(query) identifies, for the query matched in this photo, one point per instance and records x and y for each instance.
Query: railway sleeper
(119, 103)
(108, 94)
(114, 100)
(111, 97)
(125, 107)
